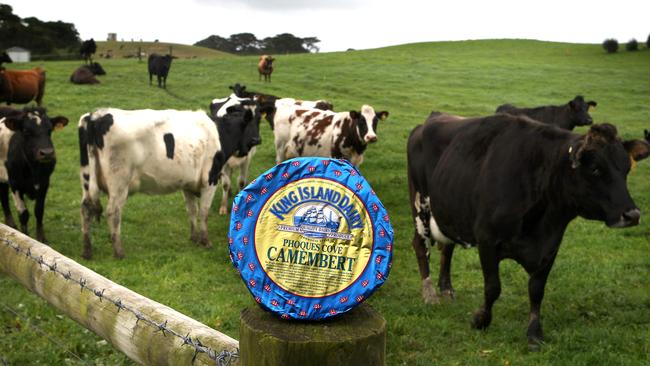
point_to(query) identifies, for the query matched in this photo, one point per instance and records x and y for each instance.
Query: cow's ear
(575, 153)
(382, 115)
(59, 122)
(354, 114)
(592, 103)
(14, 123)
(637, 149)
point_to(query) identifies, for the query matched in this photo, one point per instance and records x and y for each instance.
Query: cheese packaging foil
(310, 238)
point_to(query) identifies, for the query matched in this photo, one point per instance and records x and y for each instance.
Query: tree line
(55, 39)
(248, 44)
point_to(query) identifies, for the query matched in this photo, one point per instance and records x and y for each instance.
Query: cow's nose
(255, 142)
(371, 138)
(45, 154)
(632, 216)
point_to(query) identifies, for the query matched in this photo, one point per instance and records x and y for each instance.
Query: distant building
(19, 54)
(112, 37)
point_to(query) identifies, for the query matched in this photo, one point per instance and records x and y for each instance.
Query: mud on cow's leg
(422, 254)
(4, 199)
(192, 212)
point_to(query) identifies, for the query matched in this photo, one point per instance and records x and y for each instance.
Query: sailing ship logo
(317, 221)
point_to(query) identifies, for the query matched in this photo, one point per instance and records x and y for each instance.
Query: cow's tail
(88, 173)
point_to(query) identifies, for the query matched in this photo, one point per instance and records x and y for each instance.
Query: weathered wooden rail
(144, 330)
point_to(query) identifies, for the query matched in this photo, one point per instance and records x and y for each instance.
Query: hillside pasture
(597, 304)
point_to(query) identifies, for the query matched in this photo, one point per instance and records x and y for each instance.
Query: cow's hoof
(448, 294)
(481, 319)
(223, 210)
(87, 255)
(534, 345)
(118, 255)
(429, 293)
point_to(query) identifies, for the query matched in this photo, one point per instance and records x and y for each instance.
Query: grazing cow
(88, 48)
(85, 74)
(159, 65)
(511, 186)
(22, 86)
(265, 67)
(220, 108)
(157, 152)
(265, 101)
(27, 159)
(568, 116)
(314, 132)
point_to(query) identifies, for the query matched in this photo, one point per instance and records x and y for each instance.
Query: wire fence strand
(221, 358)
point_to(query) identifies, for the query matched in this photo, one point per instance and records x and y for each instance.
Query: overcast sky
(343, 24)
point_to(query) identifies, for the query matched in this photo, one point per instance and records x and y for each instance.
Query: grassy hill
(121, 49)
(597, 304)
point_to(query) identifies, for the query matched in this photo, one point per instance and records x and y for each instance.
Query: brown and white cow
(22, 86)
(265, 67)
(313, 132)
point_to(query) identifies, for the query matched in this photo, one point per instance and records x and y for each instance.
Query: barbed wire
(41, 332)
(223, 358)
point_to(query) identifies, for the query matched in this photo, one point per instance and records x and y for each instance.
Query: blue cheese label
(310, 238)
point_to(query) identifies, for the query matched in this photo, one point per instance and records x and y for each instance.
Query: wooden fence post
(146, 331)
(352, 339)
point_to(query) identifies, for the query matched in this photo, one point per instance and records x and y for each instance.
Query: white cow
(156, 152)
(313, 132)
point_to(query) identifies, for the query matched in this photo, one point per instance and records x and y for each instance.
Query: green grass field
(597, 305)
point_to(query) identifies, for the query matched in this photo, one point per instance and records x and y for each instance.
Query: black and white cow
(568, 116)
(27, 160)
(314, 132)
(159, 65)
(157, 152)
(511, 186)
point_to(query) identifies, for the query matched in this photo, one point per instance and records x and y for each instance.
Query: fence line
(146, 331)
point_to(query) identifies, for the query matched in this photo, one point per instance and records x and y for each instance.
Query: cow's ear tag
(591, 108)
(58, 127)
(263, 114)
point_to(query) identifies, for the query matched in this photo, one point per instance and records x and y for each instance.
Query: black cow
(85, 74)
(568, 116)
(159, 65)
(4, 58)
(266, 102)
(88, 48)
(511, 186)
(27, 159)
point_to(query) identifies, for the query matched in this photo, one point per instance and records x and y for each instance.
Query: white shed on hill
(19, 54)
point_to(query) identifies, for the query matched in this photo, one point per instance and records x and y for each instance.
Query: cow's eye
(596, 172)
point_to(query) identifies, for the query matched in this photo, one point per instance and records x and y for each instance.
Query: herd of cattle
(509, 183)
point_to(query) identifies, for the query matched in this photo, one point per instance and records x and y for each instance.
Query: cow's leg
(422, 254)
(492, 285)
(192, 211)
(150, 78)
(90, 209)
(116, 200)
(23, 214)
(39, 208)
(205, 201)
(536, 284)
(225, 188)
(279, 150)
(4, 199)
(444, 279)
(243, 172)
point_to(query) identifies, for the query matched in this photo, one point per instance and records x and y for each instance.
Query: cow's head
(97, 69)
(240, 91)
(34, 127)
(601, 162)
(366, 122)
(580, 111)
(243, 122)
